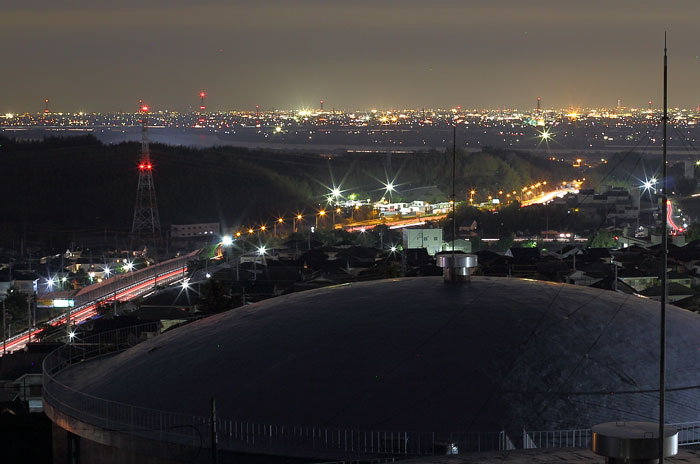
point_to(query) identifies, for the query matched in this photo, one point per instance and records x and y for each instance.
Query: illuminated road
(395, 224)
(122, 288)
(546, 197)
(669, 218)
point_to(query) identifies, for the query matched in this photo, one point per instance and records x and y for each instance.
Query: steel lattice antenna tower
(146, 224)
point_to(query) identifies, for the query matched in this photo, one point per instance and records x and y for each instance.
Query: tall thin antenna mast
(454, 197)
(664, 265)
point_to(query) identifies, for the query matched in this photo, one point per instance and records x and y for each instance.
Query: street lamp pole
(29, 318)
(279, 221)
(4, 331)
(115, 294)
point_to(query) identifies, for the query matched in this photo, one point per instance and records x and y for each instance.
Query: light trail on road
(89, 310)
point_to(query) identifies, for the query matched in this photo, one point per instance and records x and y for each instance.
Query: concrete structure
(26, 282)
(614, 203)
(314, 375)
(206, 229)
(430, 239)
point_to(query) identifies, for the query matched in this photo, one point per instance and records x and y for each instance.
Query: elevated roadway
(123, 287)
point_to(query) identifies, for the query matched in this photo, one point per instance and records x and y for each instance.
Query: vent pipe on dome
(456, 267)
(633, 442)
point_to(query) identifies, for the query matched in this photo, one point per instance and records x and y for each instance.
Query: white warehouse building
(430, 239)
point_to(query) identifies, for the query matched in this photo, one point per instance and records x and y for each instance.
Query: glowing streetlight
(251, 231)
(262, 250)
(50, 282)
(106, 271)
(650, 184)
(392, 249)
(279, 221)
(227, 240)
(185, 284)
(263, 228)
(128, 266)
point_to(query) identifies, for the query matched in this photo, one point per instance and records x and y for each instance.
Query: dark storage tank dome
(417, 354)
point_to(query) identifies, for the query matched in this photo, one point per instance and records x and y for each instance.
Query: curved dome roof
(416, 354)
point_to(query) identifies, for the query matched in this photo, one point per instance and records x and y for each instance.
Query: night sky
(354, 54)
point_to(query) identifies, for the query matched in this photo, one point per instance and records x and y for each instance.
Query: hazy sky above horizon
(359, 54)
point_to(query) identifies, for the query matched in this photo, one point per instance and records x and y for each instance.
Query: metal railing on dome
(576, 438)
(688, 434)
(196, 430)
(234, 435)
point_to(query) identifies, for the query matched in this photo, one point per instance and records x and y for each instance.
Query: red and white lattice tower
(146, 225)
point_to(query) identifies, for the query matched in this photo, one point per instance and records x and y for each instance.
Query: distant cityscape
(545, 129)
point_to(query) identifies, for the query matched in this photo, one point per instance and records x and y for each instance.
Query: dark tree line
(79, 183)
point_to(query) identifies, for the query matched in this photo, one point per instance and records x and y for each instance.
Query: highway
(393, 224)
(546, 197)
(123, 287)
